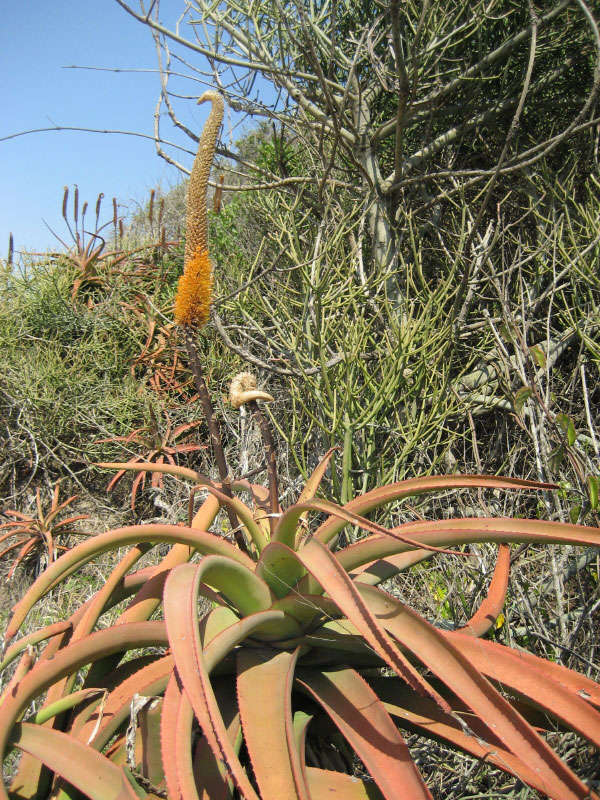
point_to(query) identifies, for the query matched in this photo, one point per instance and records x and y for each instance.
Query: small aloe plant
(30, 536)
(296, 641)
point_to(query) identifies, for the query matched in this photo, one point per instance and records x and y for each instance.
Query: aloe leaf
(47, 672)
(245, 516)
(202, 541)
(327, 783)
(265, 681)
(383, 568)
(414, 486)
(564, 694)
(430, 646)
(454, 532)
(32, 639)
(490, 609)
(300, 723)
(181, 592)
(312, 484)
(99, 601)
(245, 590)
(324, 566)
(214, 784)
(82, 767)
(285, 531)
(307, 610)
(64, 704)
(362, 719)
(176, 748)
(167, 469)
(279, 568)
(151, 680)
(421, 715)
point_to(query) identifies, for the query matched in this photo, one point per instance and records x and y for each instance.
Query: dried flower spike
(194, 291)
(243, 390)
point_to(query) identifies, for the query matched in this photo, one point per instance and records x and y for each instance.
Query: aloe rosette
(225, 704)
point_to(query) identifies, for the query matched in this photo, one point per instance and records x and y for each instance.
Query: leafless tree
(401, 104)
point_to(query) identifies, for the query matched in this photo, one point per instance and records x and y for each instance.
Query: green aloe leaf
(64, 704)
(245, 590)
(593, 483)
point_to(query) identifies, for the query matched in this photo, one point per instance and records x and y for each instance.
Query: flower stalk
(194, 290)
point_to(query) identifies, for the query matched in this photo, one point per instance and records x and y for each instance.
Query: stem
(271, 457)
(215, 433)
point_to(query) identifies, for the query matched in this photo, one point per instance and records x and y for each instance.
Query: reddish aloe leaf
(168, 735)
(324, 566)
(446, 532)
(98, 603)
(421, 715)
(23, 667)
(313, 483)
(324, 783)
(265, 682)
(202, 541)
(563, 693)
(150, 680)
(361, 717)
(212, 783)
(285, 531)
(377, 571)
(488, 612)
(176, 746)
(34, 638)
(445, 660)
(47, 672)
(181, 615)
(396, 491)
(168, 469)
(309, 491)
(82, 767)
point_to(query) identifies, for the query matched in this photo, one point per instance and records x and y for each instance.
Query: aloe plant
(294, 630)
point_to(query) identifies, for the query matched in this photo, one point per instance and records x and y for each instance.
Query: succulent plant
(297, 637)
(32, 537)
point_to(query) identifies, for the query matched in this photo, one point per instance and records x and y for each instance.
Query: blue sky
(38, 39)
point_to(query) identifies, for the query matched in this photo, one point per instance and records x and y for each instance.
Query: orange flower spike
(194, 291)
